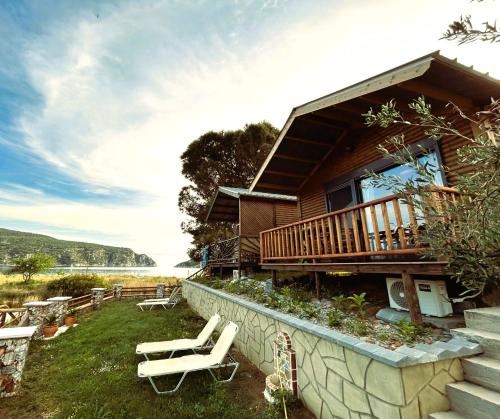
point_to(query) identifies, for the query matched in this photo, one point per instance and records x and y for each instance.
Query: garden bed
(352, 315)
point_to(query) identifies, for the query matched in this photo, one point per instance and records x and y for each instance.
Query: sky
(98, 99)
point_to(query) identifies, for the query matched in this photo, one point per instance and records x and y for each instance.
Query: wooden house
(251, 213)
(322, 156)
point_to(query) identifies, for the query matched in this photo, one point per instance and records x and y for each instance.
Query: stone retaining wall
(339, 376)
(14, 342)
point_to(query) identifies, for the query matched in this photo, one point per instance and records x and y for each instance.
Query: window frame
(355, 176)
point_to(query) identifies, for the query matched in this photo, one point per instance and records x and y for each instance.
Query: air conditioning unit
(432, 296)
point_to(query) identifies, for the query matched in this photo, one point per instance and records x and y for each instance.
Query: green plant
(71, 312)
(358, 327)
(358, 303)
(50, 320)
(340, 302)
(335, 318)
(410, 332)
(309, 309)
(31, 265)
(74, 285)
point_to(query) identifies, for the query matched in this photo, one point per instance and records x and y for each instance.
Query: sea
(139, 272)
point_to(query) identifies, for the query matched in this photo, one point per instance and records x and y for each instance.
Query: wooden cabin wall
(259, 215)
(255, 216)
(286, 213)
(342, 161)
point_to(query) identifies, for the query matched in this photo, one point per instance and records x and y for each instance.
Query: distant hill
(68, 253)
(188, 264)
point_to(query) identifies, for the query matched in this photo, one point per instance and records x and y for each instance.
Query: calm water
(136, 271)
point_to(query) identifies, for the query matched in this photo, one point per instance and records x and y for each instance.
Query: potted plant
(70, 318)
(50, 326)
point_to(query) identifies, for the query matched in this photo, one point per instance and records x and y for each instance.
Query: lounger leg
(168, 391)
(172, 354)
(146, 356)
(232, 364)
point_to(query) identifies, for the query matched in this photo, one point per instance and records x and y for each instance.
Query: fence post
(97, 297)
(160, 290)
(37, 311)
(59, 307)
(117, 290)
(14, 342)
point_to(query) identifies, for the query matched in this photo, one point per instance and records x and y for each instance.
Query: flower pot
(49, 330)
(69, 321)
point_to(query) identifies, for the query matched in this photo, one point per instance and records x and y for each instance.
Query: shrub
(335, 318)
(358, 327)
(310, 309)
(410, 332)
(358, 303)
(74, 285)
(340, 302)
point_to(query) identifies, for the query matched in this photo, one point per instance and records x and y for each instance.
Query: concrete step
(482, 370)
(490, 342)
(473, 401)
(450, 414)
(486, 319)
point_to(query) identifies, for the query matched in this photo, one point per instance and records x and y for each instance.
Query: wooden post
(411, 297)
(274, 280)
(318, 284)
(220, 272)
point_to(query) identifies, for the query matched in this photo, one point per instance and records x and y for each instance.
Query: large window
(370, 193)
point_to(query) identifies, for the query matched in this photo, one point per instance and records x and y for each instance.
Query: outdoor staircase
(478, 397)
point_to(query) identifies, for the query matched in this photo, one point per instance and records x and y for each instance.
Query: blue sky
(99, 98)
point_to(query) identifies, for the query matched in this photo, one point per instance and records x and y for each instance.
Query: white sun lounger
(202, 341)
(169, 301)
(190, 363)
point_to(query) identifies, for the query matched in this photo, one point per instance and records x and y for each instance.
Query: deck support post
(221, 272)
(274, 280)
(411, 297)
(317, 280)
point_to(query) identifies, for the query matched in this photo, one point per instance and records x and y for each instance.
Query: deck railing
(239, 249)
(383, 227)
(11, 316)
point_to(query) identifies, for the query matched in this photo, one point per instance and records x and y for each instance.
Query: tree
(465, 231)
(463, 31)
(31, 265)
(225, 158)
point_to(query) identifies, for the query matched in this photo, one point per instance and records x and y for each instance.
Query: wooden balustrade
(81, 302)
(386, 226)
(11, 316)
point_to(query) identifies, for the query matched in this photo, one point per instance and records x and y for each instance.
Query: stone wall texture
(13, 352)
(334, 381)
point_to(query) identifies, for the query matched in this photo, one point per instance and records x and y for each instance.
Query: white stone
(55, 299)
(17, 332)
(38, 303)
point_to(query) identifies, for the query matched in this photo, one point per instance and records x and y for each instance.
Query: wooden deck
(382, 232)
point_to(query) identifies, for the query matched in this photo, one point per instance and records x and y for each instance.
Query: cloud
(124, 94)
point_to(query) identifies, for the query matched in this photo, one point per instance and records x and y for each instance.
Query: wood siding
(286, 213)
(342, 161)
(259, 215)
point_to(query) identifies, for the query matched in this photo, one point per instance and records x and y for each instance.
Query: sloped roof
(313, 129)
(225, 205)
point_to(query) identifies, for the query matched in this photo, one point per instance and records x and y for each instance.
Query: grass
(91, 372)
(14, 292)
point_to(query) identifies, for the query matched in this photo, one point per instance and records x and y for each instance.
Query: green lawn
(91, 372)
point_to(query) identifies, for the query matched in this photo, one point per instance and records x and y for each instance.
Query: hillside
(188, 264)
(17, 243)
